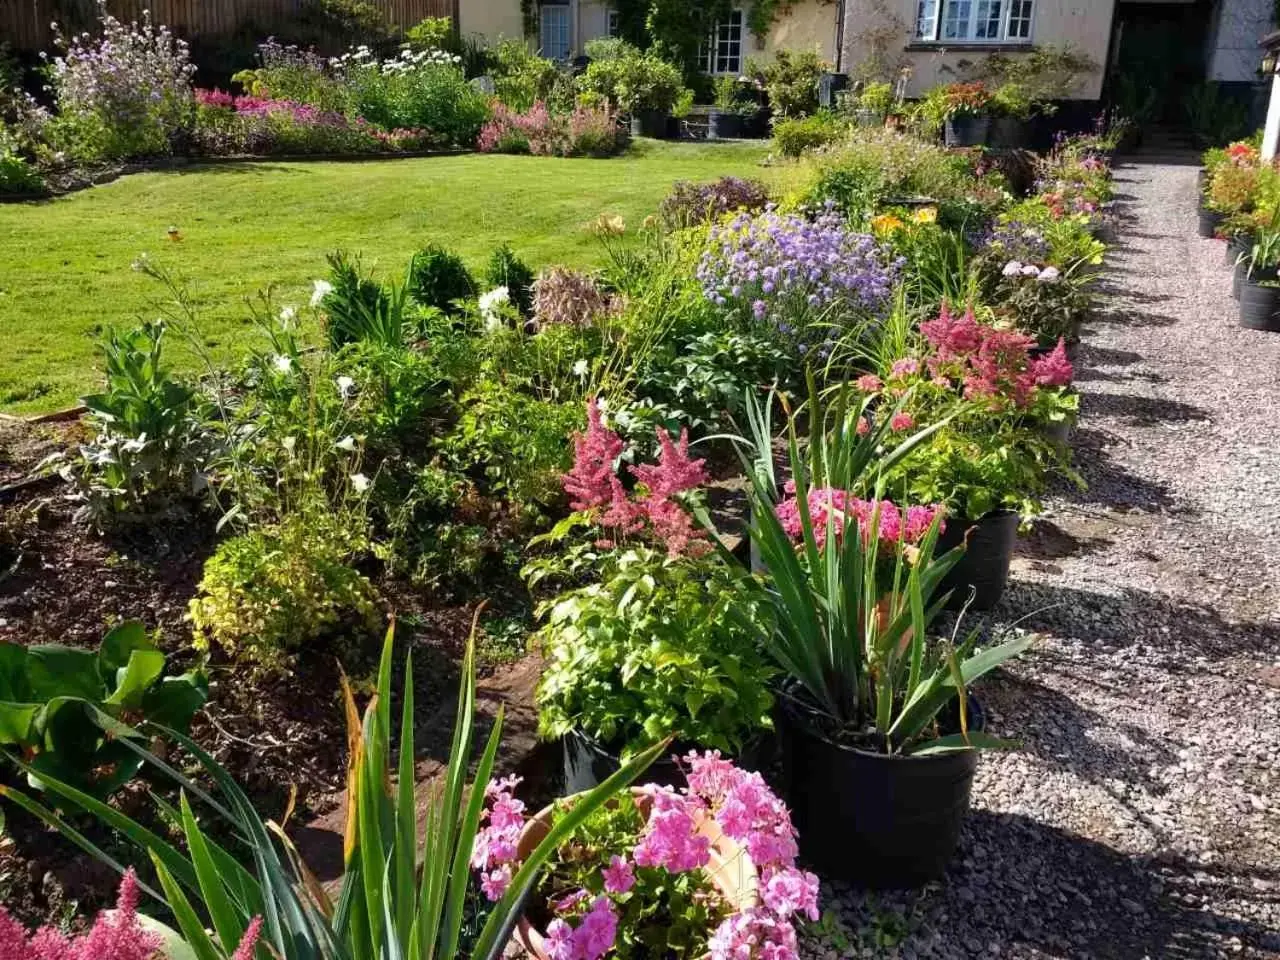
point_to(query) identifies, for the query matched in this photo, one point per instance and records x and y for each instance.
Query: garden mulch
(1141, 816)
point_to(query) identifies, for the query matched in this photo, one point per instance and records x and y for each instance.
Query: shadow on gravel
(1049, 541)
(1108, 483)
(1107, 356)
(1022, 888)
(1139, 411)
(1136, 316)
(1134, 617)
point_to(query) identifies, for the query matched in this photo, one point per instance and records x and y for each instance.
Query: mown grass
(65, 264)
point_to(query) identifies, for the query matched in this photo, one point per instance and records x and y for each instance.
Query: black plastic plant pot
(1210, 221)
(983, 571)
(966, 131)
(589, 763)
(1057, 431)
(1259, 306)
(1237, 278)
(649, 123)
(722, 125)
(1009, 133)
(1236, 247)
(872, 819)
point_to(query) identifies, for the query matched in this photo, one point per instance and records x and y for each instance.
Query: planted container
(589, 763)
(730, 870)
(1259, 305)
(966, 130)
(649, 123)
(984, 568)
(1210, 221)
(871, 818)
(1009, 133)
(724, 125)
(1237, 246)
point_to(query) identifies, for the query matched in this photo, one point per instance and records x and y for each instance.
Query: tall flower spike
(589, 482)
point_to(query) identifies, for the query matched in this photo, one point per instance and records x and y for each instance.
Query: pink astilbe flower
(901, 421)
(115, 936)
(906, 367)
(619, 877)
(952, 337)
(249, 942)
(1053, 369)
(674, 474)
(590, 483)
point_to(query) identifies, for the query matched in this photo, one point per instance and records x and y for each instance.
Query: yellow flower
(610, 225)
(886, 223)
(926, 215)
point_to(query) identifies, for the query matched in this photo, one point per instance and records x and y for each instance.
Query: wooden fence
(25, 23)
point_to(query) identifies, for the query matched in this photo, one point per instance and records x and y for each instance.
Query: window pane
(555, 32)
(955, 21)
(1020, 20)
(724, 52)
(613, 23)
(987, 26)
(927, 20)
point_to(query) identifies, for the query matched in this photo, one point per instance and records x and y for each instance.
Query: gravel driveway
(1141, 818)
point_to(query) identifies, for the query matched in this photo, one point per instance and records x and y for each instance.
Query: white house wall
(1234, 55)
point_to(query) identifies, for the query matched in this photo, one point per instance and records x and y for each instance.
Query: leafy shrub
(589, 131)
(270, 591)
(658, 647)
(691, 203)
(356, 306)
(124, 93)
(148, 446)
(438, 278)
(18, 176)
(423, 90)
(62, 707)
(288, 72)
(505, 269)
(521, 78)
(791, 81)
(795, 135)
(634, 81)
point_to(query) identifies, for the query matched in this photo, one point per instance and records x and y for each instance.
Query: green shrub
(505, 269)
(270, 591)
(438, 278)
(521, 78)
(634, 81)
(433, 95)
(18, 176)
(791, 80)
(58, 705)
(794, 136)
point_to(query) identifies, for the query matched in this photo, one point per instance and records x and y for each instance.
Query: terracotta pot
(730, 869)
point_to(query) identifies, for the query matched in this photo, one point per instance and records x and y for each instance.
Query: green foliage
(18, 175)
(350, 22)
(851, 618)
(357, 308)
(794, 136)
(677, 910)
(521, 78)
(514, 445)
(429, 96)
(431, 33)
(1213, 116)
(404, 892)
(791, 80)
(505, 269)
(438, 278)
(1027, 83)
(268, 592)
(148, 447)
(736, 95)
(661, 645)
(68, 710)
(634, 81)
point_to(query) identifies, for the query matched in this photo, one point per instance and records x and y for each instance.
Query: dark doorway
(1158, 60)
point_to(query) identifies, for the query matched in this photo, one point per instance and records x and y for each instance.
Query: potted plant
(655, 866)
(996, 407)
(878, 727)
(735, 104)
(1232, 189)
(873, 104)
(966, 114)
(637, 83)
(1260, 285)
(1012, 107)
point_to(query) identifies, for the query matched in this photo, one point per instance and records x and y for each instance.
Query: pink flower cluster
(747, 811)
(988, 362)
(497, 842)
(588, 130)
(594, 487)
(827, 503)
(115, 936)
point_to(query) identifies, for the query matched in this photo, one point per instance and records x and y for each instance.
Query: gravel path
(1141, 819)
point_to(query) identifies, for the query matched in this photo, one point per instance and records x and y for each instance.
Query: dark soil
(60, 583)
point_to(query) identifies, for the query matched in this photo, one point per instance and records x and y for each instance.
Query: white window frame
(933, 17)
(565, 29)
(612, 24)
(729, 36)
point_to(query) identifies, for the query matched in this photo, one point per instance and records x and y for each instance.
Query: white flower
(347, 443)
(491, 302)
(135, 445)
(359, 482)
(287, 314)
(1049, 274)
(1031, 270)
(282, 363)
(580, 369)
(319, 290)
(1012, 268)
(346, 387)
(289, 443)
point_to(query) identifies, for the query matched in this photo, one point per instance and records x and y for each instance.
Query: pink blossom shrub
(837, 506)
(587, 131)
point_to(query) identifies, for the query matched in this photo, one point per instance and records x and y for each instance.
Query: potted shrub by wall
(658, 642)
(640, 84)
(1011, 109)
(736, 104)
(967, 118)
(1231, 190)
(656, 871)
(1260, 283)
(997, 410)
(879, 732)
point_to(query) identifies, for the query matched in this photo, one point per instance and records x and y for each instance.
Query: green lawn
(65, 264)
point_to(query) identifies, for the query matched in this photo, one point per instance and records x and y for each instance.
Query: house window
(973, 21)
(723, 51)
(613, 28)
(556, 35)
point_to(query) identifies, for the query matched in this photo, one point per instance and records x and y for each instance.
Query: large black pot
(588, 763)
(1237, 246)
(1210, 221)
(870, 818)
(983, 571)
(1237, 278)
(1009, 133)
(723, 125)
(966, 131)
(1259, 306)
(649, 123)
